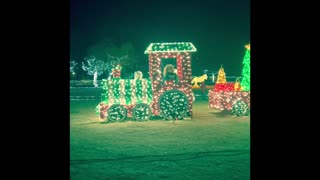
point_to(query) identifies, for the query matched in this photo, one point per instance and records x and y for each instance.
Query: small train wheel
(173, 104)
(117, 112)
(141, 112)
(240, 108)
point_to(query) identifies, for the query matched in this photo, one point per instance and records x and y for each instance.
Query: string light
(170, 47)
(248, 46)
(233, 96)
(94, 67)
(141, 112)
(137, 96)
(126, 92)
(116, 71)
(184, 74)
(224, 87)
(237, 86)
(221, 76)
(116, 112)
(240, 108)
(223, 100)
(245, 82)
(173, 104)
(221, 84)
(72, 67)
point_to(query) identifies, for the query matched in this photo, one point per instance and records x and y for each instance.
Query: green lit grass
(212, 145)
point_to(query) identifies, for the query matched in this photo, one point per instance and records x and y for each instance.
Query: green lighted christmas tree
(245, 83)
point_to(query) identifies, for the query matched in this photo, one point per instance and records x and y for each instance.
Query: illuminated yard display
(159, 52)
(245, 83)
(72, 67)
(237, 86)
(221, 76)
(116, 71)
(127, 93)
(233, 97)
(142, 98)
(222, 84)
(94, 67)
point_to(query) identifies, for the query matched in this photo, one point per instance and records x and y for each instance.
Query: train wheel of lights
(141, 112)
(173, 104)
(240, 108)
(117, 113)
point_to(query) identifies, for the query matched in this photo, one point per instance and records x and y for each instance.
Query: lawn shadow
(224, 113)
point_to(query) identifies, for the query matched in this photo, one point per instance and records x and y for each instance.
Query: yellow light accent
(221, 76)
(248, 46)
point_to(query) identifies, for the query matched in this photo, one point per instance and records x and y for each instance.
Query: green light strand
(111, 89)
(245, 82)
(105, 94)
(116, 90)
(149, 90)
(97, 109)
(139, 90)
(171, 47)
(127, 88)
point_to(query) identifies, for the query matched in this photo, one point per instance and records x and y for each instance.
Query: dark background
(284, 131)
(219, 29)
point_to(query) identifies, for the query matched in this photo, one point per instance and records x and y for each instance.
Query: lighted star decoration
(248, 46)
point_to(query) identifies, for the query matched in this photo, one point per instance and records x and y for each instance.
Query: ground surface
(211, 145)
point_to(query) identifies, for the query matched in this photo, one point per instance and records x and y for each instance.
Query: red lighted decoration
(116, 72)
(223, 100)
(159, 52)
(224, 87)
(237, 86)
(225, 94)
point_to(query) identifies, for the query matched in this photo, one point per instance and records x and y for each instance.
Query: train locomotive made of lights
(142, 98)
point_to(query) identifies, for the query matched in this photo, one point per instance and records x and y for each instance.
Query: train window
(165, 61)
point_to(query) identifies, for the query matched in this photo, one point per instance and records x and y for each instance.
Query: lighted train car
(236, 101)
(233, 97)
(143, 98)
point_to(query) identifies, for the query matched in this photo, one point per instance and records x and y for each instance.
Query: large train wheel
(173, 104)
(141, 112)
(240, 108)
(117, 112)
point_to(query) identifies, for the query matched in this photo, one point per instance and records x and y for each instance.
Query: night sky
(218, 29)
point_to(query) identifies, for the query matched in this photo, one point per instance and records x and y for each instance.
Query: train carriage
(143, 98)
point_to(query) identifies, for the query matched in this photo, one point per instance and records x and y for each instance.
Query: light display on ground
(199, 79)
(140, 97)
(224, 100)
(245, 83)
(116, 112)
(72, 67)
(232, 96)
(237, 86)
(173, 104)
(116, 71)
(240, 108)
(224, 87)
(94, 67)
(126, 91)
(141, 112)
(182, 53)
(222, 84)
(221, 76)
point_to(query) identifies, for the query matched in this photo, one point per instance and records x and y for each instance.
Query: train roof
(170, 47)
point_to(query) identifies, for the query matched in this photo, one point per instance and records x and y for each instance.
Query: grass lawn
(211, 145)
